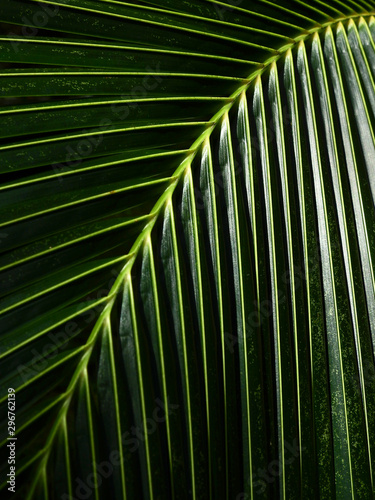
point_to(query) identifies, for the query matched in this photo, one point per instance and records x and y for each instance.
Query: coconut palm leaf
(187, 243)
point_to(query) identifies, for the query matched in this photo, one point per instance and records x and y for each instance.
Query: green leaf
(187, 249)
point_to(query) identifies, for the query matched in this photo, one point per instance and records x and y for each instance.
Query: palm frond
(187, 244)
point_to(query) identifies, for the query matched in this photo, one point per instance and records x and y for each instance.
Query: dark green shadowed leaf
(187, 245)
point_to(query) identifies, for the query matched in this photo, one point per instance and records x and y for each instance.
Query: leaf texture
(187, 248)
